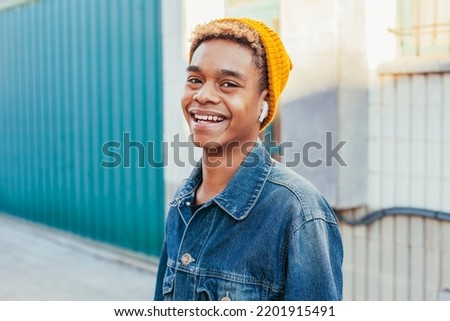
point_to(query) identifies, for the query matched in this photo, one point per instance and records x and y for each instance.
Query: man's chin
(205, 142)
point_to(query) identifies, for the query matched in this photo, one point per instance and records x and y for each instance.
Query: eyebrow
(193, 68)
(220, 73)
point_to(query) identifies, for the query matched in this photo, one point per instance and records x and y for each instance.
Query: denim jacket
(269, 235)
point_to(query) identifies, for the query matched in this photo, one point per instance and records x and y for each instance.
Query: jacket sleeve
(314, 262)
(160, 275)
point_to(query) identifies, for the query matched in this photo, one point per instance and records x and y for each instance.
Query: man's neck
(218, 167)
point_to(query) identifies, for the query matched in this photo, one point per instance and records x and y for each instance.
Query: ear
(264, 95)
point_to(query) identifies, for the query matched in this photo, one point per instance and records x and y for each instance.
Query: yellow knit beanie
(277, 60)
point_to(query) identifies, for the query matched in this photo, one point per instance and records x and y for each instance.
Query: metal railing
(395, 211)
(413, 37)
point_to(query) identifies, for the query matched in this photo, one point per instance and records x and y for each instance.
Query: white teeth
(208, 117)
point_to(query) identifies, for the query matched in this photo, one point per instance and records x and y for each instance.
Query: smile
(207, 118)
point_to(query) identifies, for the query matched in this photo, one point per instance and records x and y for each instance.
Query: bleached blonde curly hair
(239, 33)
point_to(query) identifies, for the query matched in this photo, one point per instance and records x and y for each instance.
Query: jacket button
(186, 259)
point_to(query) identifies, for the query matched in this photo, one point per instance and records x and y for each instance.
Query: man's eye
(229, 84)
(194, 80)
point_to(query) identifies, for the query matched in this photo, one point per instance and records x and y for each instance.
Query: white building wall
(408, 148)
(409, 140)
(402, 258)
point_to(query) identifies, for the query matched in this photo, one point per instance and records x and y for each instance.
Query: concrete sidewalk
(40, 263)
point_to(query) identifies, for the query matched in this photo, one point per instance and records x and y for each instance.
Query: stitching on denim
(231, 277)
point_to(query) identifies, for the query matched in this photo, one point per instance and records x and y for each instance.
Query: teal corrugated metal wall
(73, 76)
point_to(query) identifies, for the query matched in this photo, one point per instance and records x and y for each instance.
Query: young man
(242, 226)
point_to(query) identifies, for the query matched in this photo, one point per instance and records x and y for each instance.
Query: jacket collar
(243, 190)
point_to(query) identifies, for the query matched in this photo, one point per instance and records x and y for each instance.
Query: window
(423, 27)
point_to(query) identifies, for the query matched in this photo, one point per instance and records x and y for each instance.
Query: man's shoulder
(297, 190)
(297, 184)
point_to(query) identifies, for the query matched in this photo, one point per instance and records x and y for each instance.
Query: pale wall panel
(387, 259)
(445, 257)
(432, 259)
(348, 264)
(402, 255)
(374, 261)
(360, 258)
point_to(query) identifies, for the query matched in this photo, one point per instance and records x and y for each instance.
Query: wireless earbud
(264, 111)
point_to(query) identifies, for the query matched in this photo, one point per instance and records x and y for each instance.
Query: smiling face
(222, 100)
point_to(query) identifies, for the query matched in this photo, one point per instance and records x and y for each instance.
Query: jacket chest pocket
(214, 289)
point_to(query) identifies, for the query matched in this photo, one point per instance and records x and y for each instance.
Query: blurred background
(76, 75)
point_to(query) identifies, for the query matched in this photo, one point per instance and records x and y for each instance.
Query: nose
(207, 94)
